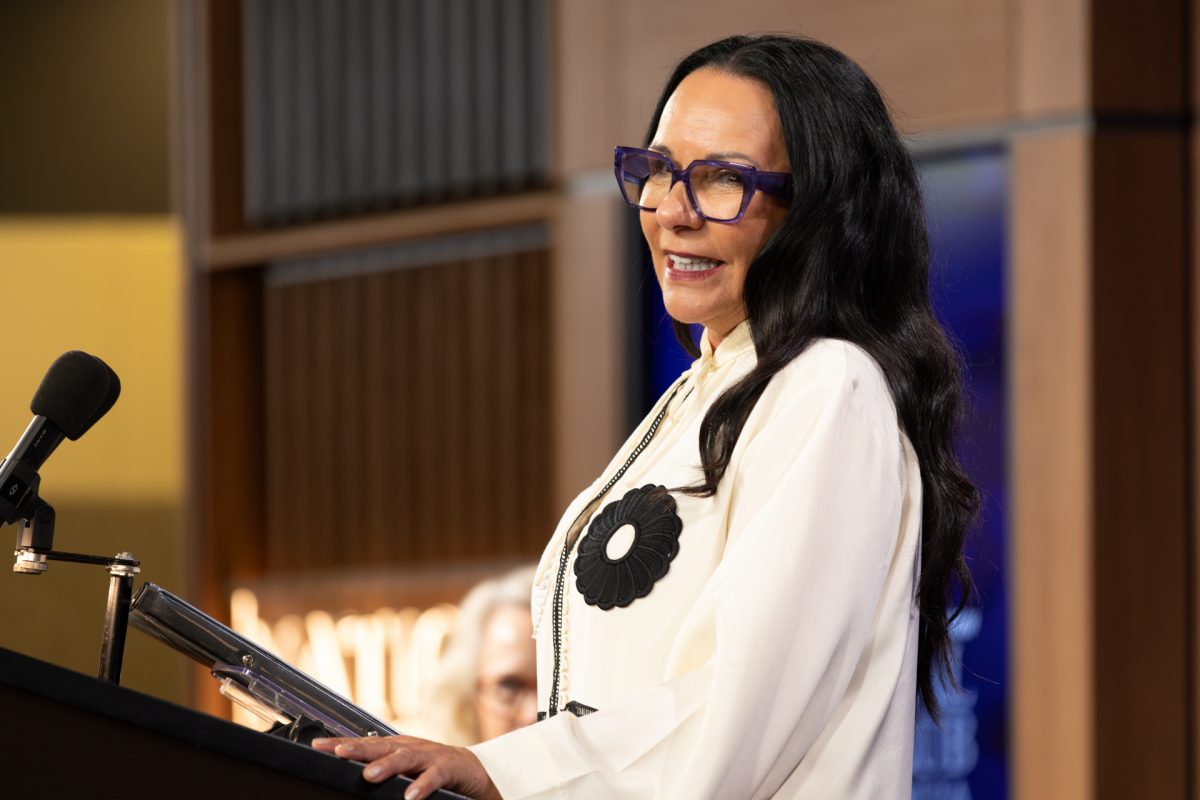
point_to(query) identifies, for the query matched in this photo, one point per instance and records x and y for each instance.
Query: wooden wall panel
(950, 67)
(586, 99)
(1051, 466)
(227, 511)
(407, 415)
(1051, 47)
(1193, 174)
(1140, 432)
(589, 378)
(1099, 465)
(223, 162)
(1139, 56)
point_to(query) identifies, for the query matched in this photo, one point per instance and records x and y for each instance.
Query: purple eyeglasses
(719, 191)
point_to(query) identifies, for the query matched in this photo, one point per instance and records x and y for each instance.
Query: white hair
(450, 708)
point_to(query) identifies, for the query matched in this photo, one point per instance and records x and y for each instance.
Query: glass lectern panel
(250, 676)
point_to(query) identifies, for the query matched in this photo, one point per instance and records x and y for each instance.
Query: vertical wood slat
(454, 405)
(376, 428)
(536, 374)
(506, 442)
(478, 368)
(224, 153)
(428, 468)
(409, 415)
(321, 376)
(300, 494)
(331, 139)
(349, 433)
(274, 353)
(307, 152)
(360, 105)
(406, 298)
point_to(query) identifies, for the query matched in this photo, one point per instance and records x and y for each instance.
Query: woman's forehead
(714, 114)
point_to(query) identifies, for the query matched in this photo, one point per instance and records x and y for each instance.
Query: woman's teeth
(692, 264)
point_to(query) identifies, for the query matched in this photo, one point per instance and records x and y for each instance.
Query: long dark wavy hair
(850, 261)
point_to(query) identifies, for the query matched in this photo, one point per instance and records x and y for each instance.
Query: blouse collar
(737, 342)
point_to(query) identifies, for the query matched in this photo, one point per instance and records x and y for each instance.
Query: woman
(798, 509)
(487, 678)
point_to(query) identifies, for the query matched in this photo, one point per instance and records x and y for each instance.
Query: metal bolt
(247, 660)
(124, 570)
(29, 562)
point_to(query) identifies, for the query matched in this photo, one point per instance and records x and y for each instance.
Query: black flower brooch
(628, 548)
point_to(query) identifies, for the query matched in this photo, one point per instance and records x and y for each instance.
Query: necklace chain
(572, 536)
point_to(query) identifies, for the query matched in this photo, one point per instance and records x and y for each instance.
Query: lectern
(64, 734)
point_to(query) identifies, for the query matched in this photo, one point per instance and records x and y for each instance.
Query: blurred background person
(487, 685)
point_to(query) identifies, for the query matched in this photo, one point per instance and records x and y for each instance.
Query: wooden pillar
(1051, 514)
(1102, 534)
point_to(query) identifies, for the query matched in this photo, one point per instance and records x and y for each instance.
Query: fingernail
(412, 793)
(373, 772)
(346, 749)
(319, 742)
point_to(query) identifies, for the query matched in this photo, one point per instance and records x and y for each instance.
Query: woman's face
(718, 116)
(506, 688)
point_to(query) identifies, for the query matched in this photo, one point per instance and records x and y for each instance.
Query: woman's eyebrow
(723, 155)
(731, 156)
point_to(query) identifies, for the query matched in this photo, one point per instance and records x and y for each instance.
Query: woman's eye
(728, 177)
(512, 685)
(657, 170)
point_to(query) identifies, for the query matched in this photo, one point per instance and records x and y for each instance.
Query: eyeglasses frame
(776, 184)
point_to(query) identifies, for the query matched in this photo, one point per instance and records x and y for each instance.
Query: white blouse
(777, 656)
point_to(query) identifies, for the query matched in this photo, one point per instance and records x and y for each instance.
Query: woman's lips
(690, 268)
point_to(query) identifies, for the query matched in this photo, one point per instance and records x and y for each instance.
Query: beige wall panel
(584, 88)
(1050, 57)
(1051, 699)
(589, 378)
(940, 63)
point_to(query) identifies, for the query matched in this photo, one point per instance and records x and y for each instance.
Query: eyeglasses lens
(718, 190)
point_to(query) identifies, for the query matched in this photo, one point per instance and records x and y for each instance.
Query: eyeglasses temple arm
(778, 184)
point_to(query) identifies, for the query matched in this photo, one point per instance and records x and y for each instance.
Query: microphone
(77, 391)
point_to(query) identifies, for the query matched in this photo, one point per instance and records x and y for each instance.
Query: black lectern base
(63, 734)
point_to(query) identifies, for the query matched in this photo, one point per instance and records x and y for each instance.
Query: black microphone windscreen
(110, 397)
(78, 389)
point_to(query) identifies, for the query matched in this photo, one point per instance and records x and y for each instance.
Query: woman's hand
(436, 766)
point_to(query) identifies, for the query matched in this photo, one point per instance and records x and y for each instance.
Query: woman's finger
(435, 765)
(397, 762)
(454, 768)
(367, 748)
(328, 745)
(428, 782)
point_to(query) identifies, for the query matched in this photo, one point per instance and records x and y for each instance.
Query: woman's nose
(527, 708)
(675, 211)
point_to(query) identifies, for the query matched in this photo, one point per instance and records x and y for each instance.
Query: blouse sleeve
(766, 658)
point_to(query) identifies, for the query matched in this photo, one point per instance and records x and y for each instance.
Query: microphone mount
(77, 391)
(34, 551)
